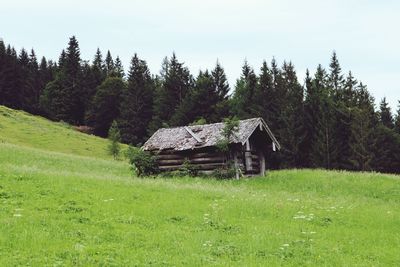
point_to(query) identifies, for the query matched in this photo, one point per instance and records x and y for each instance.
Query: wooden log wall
(202, 161)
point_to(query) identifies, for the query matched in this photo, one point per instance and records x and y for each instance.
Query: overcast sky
(365, 34)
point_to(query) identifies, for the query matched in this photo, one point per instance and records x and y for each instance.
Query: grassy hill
(64, 202)
(21, 128)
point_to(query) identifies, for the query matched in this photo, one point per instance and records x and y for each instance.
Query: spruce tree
(137, 103)
(109, 64)
(386, 149)
(361, 141)
(397, 120)
(311, 109)
(362, 129)
(291, 131)
(118, 70)
(200, 103)
(12, 91)
(105, 107)
(386, 117)
(66, 101)
(244, 93)
(221, 86)
(175, 82)
(264, 101)
(335, 78)
(323, 148)
(2, 70)
(345, 100)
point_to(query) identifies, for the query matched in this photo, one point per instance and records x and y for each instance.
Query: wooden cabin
(197, 145)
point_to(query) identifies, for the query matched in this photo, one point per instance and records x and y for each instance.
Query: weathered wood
(172, 156)
(204, 160)
(177, 155)
(198, 139)
(262, 164)
(209, 166)
(191, 161)
(247, 155)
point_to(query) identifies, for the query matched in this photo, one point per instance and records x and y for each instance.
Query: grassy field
(74, 206)
(21, 128)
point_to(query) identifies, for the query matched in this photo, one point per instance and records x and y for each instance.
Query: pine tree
(323, 147)
(137, 103)
(335, 78)
(118, 70)
(200, 102)
(311, 109)
(397, 120)
(61, 59)
(105, 106)
(220, 82)
(115, 138)
(109, 64)
(175, 82)
(66, 101)
(23, 91)
(222, 88)
(362, 129)
(244, 94)
(11, 91)
(264, 101)
(2, 70)
(386, 149)
(344, 103)
(361, 141)
(292, 116)
(386, 117)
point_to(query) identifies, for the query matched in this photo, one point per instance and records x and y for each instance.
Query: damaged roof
(199, 136)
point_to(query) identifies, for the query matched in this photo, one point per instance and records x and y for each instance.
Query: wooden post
(236, 165)
(247, 155)
(262, 163)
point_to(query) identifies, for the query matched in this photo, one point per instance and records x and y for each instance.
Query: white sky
(364, 33)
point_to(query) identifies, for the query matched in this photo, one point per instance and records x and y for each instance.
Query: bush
(143, 162)
(228, 172)
(115, 137)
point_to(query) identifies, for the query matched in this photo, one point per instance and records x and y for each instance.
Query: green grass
(73, 209)
(18, 127)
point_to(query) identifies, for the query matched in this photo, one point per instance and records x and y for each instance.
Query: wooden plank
(171, 156)
(247, 156)
(206, 154)
(191, 161)
(209, 166)
(204, 160)
(198, 139)
(177, 155)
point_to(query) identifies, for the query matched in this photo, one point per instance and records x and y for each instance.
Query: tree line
(328, 121)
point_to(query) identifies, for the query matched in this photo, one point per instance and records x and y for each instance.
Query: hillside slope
(61, 207)
(21, 128)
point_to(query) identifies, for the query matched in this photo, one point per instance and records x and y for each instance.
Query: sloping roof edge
(268, 130)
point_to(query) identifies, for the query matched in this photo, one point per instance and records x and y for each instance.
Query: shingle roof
(184, 138)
